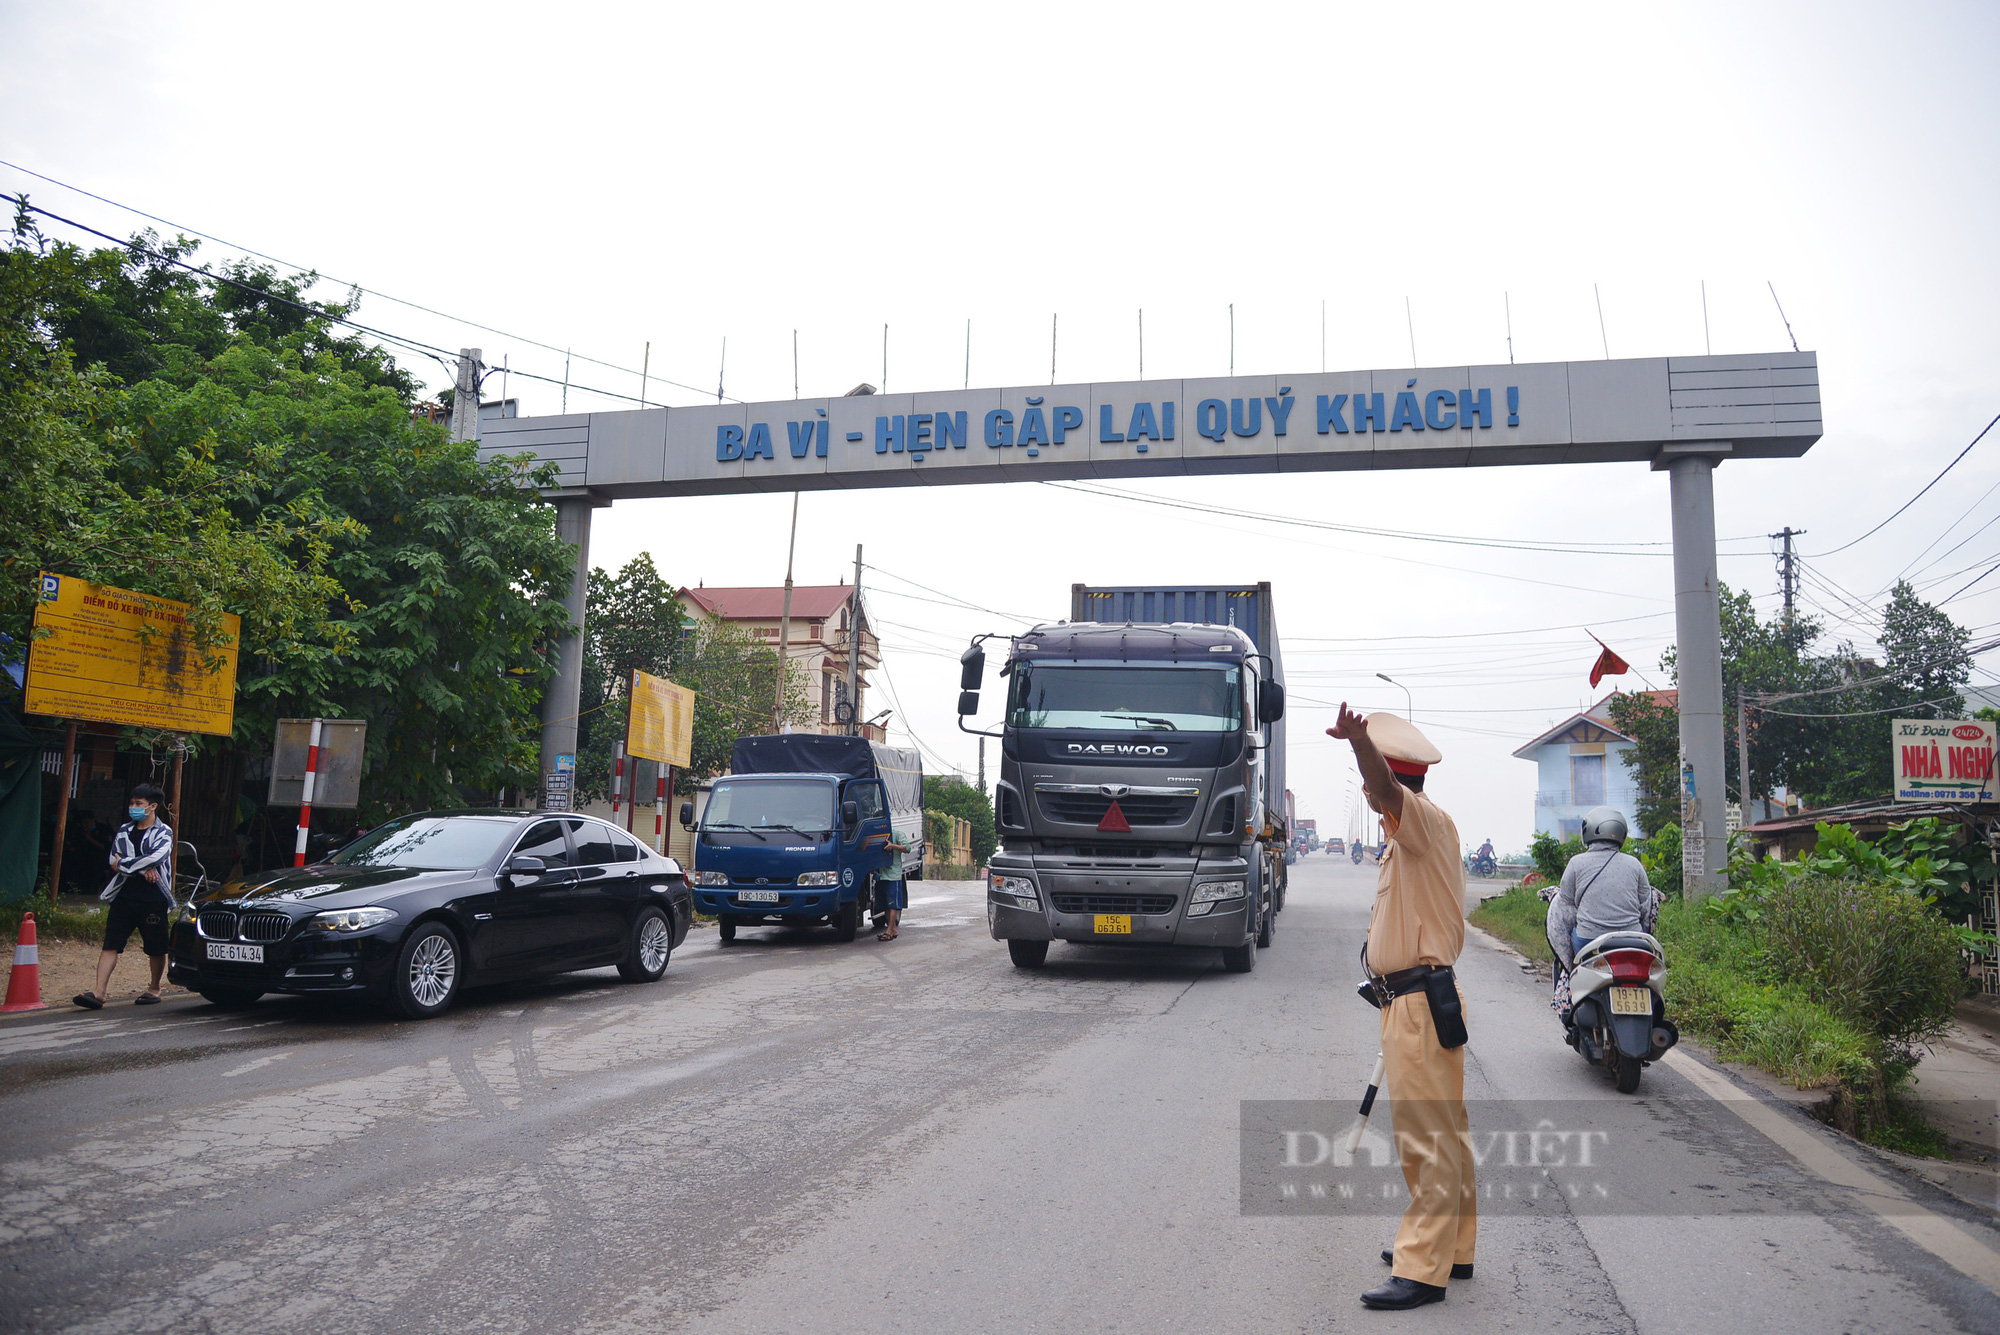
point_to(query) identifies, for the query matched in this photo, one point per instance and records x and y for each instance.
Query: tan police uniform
(1419, 918)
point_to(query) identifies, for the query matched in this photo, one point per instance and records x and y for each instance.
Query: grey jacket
(1603, 890)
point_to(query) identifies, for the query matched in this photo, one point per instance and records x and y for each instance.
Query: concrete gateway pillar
(564, 697)
(1690, 470)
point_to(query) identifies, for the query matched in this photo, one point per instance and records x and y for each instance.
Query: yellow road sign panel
(114, 656)
(662, 721)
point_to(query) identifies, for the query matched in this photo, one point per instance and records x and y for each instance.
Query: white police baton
(1367, 1106)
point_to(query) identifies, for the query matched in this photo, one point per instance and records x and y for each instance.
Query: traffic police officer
(1415, 933)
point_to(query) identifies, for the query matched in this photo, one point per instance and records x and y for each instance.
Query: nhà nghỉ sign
(114, 656)
(1942, 760)
(662, 721)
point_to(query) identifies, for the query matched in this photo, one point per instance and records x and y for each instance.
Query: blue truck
(796, 832)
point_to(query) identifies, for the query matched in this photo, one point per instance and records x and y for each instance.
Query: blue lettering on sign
(1513, 405)
(1236, 419)
(1329, 414)
(1281, 410)
(1211, 419)
(1034, 428)
(728, 443)
(1435, 416)
(920, 432)
(760, 442)
(889, 433)
(1106, 434)
(1480, 407)
(801, 434)
(1143, 426)
(951, 430)
(1067, 420)
(999, 428)
(1406, 413)
(1368, 414)
(1167, 420)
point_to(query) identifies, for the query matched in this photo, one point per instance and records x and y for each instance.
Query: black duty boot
(1461, 1270)
(1400, 1293)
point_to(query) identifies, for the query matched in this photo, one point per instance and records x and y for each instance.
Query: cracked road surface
(788, 1134)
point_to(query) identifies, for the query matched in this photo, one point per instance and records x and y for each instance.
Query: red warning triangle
(1114, 820)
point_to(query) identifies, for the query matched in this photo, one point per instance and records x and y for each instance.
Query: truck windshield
(1155, 697)
(805, 805)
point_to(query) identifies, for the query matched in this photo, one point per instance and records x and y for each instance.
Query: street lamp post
(1409, 706)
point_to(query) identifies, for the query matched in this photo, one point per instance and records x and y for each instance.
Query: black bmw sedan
(418, 908)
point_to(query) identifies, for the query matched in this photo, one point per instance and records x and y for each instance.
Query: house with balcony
(1579, 765)
(818, 641)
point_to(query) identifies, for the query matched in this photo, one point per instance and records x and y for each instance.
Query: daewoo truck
(794, 834)
(1141, 794)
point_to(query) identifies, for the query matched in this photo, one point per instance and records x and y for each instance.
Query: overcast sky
(599, 177)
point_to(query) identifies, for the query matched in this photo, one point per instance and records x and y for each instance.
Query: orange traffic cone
(24, 982)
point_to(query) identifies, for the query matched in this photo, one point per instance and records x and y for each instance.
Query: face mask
(136, 813)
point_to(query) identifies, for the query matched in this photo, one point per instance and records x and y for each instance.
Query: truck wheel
(1240, 959)
(1268, 926)
(847, 921)
(1028, 954)
(726, 928)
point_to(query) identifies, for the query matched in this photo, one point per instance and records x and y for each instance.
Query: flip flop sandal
(88, 1000)
(146, 999)
(888, 936)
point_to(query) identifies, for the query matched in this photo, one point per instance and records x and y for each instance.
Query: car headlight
(1019, 889)
(711, 878)
(348, 920)
(819, 878)
(1208, 892)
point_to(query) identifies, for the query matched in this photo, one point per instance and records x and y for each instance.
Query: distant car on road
(422, 906)
(1336, 846)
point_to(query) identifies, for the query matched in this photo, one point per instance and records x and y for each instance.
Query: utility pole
(854, 646)
(465, 396)
(982, 764)
(785, 623)
(1743, 754)
(1788, 568)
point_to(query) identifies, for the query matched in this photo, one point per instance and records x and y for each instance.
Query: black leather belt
(1403, 982)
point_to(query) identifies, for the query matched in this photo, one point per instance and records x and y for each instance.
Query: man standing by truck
(895, 897)
(1415, 933)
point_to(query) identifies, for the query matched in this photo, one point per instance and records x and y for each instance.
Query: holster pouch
(1447, 1014)
(1365, 989)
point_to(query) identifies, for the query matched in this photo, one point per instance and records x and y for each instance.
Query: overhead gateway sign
(1760, 406)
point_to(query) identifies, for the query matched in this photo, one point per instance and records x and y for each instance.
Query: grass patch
(1518, 917)
(61, 923)
(1902, 1128)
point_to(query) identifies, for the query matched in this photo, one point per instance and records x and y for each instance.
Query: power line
(1914, 499)
(444, 355)
(304, 268)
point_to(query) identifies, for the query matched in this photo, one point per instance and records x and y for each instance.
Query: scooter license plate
(1113, 924)
(1631, 1001)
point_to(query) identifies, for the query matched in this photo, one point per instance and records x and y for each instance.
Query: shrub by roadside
(1517, 917)
(58, 923)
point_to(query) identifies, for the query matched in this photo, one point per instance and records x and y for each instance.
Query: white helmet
(1604, 825)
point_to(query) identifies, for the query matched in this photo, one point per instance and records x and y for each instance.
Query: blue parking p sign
(51, 588)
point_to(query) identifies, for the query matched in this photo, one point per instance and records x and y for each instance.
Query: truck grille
(217, 924)
(265, 926)
(1089, 808)
(1141, 904)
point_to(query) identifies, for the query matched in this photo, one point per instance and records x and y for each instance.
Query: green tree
(949, 793)
(1654, 761)
(1925, 655)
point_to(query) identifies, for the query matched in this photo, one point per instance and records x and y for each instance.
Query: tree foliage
(951, 794)
(635, 623)
(213, 437)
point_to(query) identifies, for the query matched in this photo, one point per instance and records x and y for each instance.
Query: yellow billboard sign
(662, 721)
(114, 656)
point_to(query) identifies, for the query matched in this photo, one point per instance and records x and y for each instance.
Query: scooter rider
(1604, 889)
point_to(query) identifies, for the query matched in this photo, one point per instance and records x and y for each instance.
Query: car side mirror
(1270, 701)
(687, 815)
(526, 866)
(971, 671)
(850, 814)
(968, 703)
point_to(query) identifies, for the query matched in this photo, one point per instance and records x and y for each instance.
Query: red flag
(1608, 664)
(1114, 821)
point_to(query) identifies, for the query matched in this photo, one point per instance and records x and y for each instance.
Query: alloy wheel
(654, 945)
(433, 970)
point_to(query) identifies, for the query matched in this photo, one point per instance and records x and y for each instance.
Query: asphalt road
(794, 1135)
